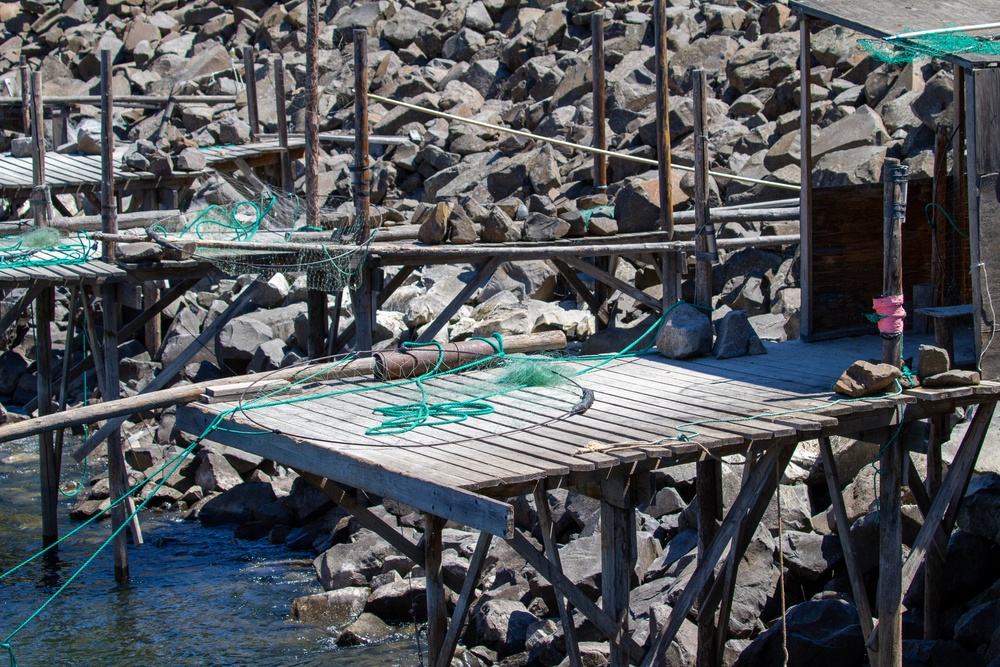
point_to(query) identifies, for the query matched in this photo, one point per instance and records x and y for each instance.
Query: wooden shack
(840, 228)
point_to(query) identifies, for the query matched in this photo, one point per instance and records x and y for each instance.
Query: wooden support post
(40, 206)
(287, 183)
(109, 212)
(805, 164)
(600, 130)
(704, 240)
(940, 271)
(15, 311)
(364, 309)
(894, 213)
(250, 79)
(960, 198)
(437, 617)
(854, 572)
(312, 114)
(64, 375)
(154, 327)
(934, 565)
(316, 311)
(890, 578)
(709, 489)
(25, 96)
(670, 261)
(464, 603)
(618, 554)
(48, 466)
(117, 473)
(552, 553)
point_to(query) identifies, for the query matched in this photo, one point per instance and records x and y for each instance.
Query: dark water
(198, 596)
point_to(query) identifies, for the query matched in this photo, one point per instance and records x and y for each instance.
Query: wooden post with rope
(250, 80)
(669, 260)
(706, 251)
(364, 296)
(618, 556)
(894, 213)
(315, 298)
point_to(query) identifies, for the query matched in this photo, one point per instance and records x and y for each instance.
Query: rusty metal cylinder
(413, 362)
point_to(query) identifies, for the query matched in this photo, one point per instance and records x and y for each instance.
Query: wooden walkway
(537, 440)
(639, 399)
(92, 272)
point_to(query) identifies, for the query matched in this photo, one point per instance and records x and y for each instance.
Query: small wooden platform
(93, 272)
(78, 173)
(461, 470)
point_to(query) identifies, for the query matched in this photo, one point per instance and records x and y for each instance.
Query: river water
(198, 596)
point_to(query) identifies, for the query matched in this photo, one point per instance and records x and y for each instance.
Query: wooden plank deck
(455, 470)
(92, 272)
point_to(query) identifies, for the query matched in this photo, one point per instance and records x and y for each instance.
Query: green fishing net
(45, 246)
(906, 50)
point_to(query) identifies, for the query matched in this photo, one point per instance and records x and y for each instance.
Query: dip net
(269, 219)
(947, 42)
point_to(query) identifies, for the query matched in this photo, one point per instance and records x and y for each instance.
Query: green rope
(946, 216)
(26, 250)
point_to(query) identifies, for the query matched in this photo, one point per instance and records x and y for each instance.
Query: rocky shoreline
(524, 65)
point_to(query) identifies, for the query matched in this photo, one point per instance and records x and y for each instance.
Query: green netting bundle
(530, 373)
(44, 246)
(906, 50)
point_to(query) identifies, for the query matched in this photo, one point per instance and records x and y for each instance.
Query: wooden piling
(551, 547)
(705, 247)
(317, 314)
(48, 466)
(805, 174)
(934, 563)
(670, 261)
(364, 299)
(890, 578)
(437, 617)
(40, 207)
(618, 554)
(109, 211)
(312, 113)
(250, 80)
(960, 187)
(117, 472)
(25, 96)
(709, 490)
(287, 183)
(600, 130)
(153, 328)
(894, 213)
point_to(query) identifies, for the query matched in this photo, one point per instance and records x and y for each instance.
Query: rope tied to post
(891, 315)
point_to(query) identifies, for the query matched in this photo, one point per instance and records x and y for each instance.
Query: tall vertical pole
(364, 299)
(250, 79)
(618, 555)
(704, 240)
(960, 204)
(109, 212)
(805, 179)
(709, 490)
(600, 133)
(316, 298)
(437, 620)
(48, 466)
(670, 260)
(25, 96)
(940, 270)
(117, 475)
(39, 192)
(279, 100)
(894, 212)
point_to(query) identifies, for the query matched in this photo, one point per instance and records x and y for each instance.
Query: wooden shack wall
(847, 255)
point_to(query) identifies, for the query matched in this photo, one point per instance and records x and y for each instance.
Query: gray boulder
(980, 511)
(734, 335)
(809, 555)
(823, 633)
(687, 332)
(239, 504)
(400, 600)
(501, 625)
(214, 473)
(365, 629)
(330, 608)
(352, 564)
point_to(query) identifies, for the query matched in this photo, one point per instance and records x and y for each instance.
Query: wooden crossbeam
(481, 278)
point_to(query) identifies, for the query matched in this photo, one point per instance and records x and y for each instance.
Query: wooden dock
(647, 412)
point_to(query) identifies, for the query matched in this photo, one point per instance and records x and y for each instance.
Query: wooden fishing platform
(759, 406)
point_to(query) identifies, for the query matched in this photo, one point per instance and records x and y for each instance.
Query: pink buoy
(893, 315)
